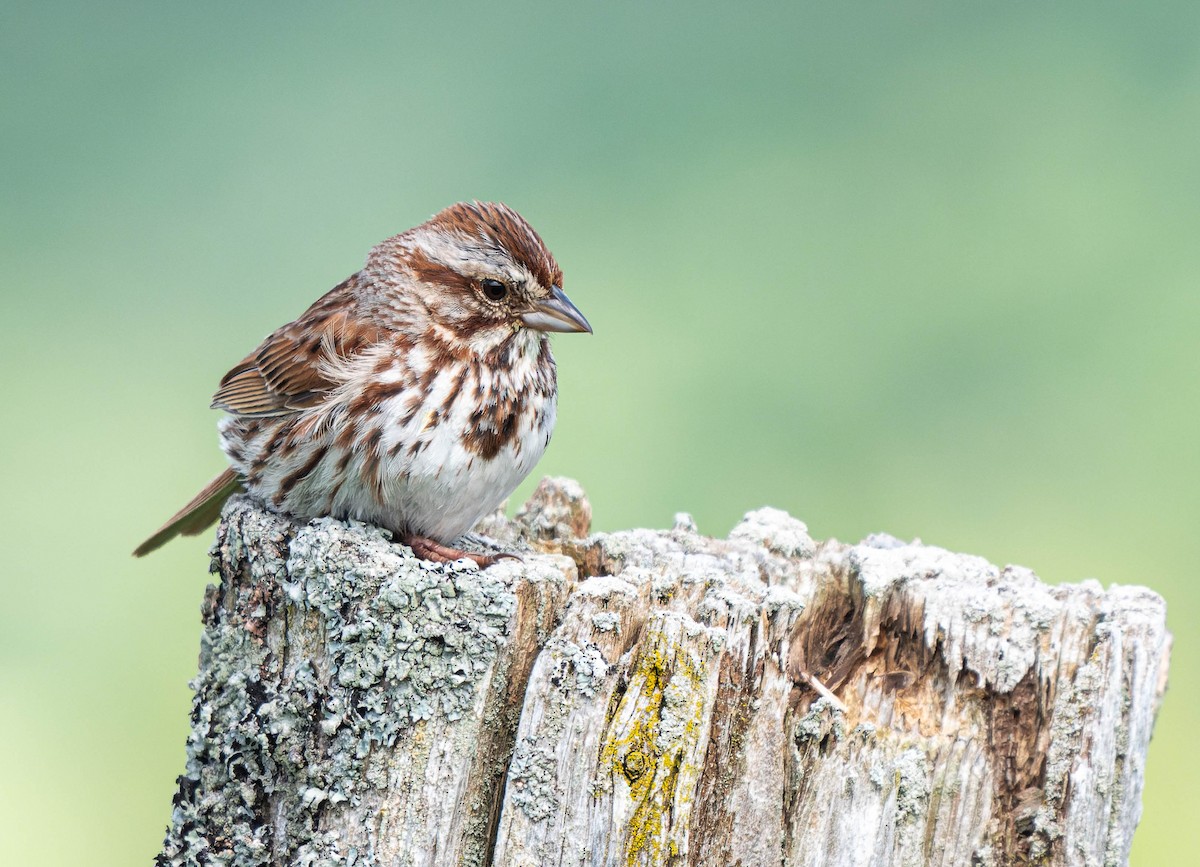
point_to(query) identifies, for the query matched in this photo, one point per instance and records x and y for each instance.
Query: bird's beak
(556, 313)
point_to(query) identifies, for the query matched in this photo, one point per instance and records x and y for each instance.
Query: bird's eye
(493, 289)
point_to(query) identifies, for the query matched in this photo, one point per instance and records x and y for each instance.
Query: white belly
(444, 489)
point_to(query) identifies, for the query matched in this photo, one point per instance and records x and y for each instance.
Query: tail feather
(196, 516)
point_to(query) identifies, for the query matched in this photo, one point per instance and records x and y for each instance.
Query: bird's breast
(455, 446)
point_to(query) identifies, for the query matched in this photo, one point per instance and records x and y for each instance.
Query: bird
(415, 395)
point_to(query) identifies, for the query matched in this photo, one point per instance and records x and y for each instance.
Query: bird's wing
(285, 373)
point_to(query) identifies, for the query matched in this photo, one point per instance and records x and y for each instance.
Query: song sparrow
(416, 395)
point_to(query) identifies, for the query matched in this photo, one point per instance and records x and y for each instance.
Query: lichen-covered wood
(657, 698)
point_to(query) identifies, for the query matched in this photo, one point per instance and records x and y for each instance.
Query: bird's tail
(201, 512)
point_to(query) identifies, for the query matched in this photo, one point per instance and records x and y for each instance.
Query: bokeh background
(928, 269)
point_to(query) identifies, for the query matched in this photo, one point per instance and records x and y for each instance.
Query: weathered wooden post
(658, 698)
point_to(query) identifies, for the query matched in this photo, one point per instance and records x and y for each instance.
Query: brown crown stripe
(503, 228)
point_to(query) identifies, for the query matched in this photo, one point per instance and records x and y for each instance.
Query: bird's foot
(428, 549)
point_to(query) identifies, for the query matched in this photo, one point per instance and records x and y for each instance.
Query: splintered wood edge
(666, 692)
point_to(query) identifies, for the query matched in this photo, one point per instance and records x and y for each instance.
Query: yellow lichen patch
(651, 740)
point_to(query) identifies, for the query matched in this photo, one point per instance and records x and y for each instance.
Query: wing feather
(285, 373)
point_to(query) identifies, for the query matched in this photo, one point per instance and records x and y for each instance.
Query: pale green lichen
(824, 718)
(606, 621)
(277, 740)
(912, 772)
(575, 671)
(578, 666)
(531, 779)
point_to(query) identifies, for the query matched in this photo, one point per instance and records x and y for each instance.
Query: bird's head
(479, 273)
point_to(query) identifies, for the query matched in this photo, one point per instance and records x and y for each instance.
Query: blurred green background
(929, 269)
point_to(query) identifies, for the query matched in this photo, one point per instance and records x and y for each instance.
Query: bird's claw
(428, 549)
